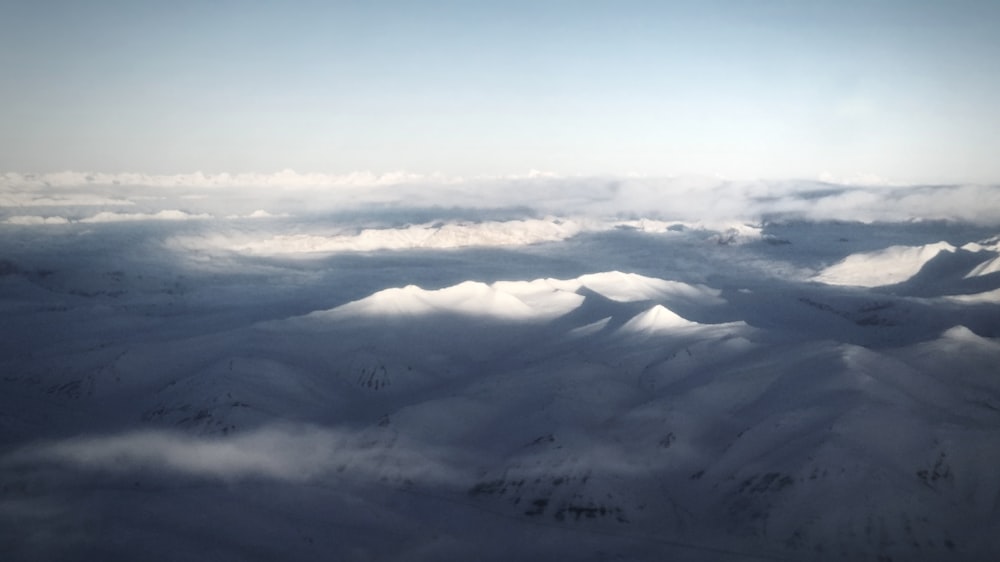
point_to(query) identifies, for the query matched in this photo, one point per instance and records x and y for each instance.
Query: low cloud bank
(442, 235)
(169, 215)
(672, 198)
(108, 216)
(35, 219)
(435, 236)
(295, 454)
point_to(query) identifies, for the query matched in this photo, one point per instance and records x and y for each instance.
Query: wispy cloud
(287, 453)
(282, 179)
(35, 220)
(39, 198)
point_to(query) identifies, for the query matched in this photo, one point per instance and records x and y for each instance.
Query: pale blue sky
(906, 90)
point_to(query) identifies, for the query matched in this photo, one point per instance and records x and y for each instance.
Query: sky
(837, 90)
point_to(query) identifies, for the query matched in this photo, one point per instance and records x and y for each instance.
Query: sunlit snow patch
(632, 287)
(985, 268)
(655, 320)
(521, 300)
(988, 245)
(590, 329)
(987, 297)
(469, 298)
(892, 265)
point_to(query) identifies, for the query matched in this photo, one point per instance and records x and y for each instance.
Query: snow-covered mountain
(892, 265)
(818, 391)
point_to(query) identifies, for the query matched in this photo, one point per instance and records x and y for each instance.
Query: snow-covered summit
(656, 320)
(632, 287)
(468, 298)
(889, 266)
(523, 300)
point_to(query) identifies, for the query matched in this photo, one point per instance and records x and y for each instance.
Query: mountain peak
(657, 319)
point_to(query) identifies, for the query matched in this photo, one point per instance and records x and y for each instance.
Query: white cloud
(34, 219)
(860, 179)
(262, 214)
(285, 179)
(107, 216)
(259, 214)
(35, 199)
(300, 453)
(169, 214)
(438, 236)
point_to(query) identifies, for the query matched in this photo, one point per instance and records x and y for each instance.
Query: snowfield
(892, 265)
(430, 382)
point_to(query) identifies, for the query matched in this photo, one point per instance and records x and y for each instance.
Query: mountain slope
(892, 265)
(624, 395)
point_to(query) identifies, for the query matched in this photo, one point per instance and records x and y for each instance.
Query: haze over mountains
(418, 368)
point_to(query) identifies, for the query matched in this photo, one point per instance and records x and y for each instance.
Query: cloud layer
(282, 179)
(673, 198)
